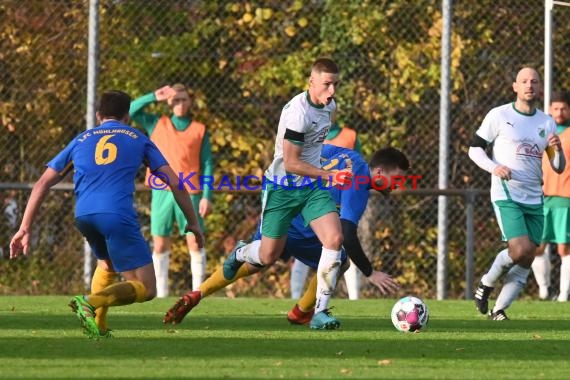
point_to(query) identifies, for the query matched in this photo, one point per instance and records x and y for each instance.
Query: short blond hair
(179, 87)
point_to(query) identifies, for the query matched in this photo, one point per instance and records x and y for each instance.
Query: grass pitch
(250, 338)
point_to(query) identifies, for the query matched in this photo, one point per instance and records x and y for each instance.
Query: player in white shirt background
(520, 134)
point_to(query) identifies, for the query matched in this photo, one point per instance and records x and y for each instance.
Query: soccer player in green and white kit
(291, 188)
(520, 134)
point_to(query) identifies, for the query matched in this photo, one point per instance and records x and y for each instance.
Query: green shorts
(280, 205)
(517, 219)
(164, 210)
(556, 220)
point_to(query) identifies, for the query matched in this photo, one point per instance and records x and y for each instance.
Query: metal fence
(244, 60)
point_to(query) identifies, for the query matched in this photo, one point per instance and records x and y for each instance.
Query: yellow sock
(123, 293)
(217, 280)
(102, 279)
(140, 290)
(309, 298)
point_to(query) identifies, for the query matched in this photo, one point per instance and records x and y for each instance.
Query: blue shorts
(307, 250)
(117, 238)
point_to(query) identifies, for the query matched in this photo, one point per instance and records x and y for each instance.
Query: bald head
(527, 87)
(527, 72)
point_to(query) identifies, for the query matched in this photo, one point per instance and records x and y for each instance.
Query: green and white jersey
(313, 123)
(519, 141)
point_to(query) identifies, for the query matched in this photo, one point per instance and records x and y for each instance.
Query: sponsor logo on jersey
(529, 150)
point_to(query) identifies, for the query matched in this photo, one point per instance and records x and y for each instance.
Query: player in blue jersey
(386, 168)
(105, 161)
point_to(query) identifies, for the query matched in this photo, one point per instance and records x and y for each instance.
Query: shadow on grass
(270, 337)
(271, 322)
(178, 346)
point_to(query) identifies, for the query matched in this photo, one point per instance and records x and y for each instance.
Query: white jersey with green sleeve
(519, 141)
(313, 123)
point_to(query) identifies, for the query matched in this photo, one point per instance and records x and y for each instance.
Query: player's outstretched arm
(20, 243)
(385, 283)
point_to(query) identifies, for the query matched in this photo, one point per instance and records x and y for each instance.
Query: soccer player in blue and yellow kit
(105, 161)
(387, 166)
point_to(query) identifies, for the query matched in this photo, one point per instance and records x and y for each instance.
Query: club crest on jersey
(322, 135)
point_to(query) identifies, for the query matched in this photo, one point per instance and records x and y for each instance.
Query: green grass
(250, 338)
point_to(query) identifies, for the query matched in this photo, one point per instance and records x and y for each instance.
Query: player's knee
(144, 291)
(526, 261)
(539, 251)
(524, 255)
(267, 255)
(160, 244)
(192, 245)
(335, 241)
(105, 265)
(268, 259)
(150, 293)
(520, 251)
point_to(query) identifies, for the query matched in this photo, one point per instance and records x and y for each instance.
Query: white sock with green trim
(515, 280)
(541, 268)
(352, 280)
(327, 275)
(502, 264)
(198, 267)
(564, 278)
(161, 263)
(299, 273)
(249, 253)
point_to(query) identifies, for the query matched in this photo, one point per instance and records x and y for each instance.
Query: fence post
(548, 6)
(444, 121)
(469, 243)
(92, 77)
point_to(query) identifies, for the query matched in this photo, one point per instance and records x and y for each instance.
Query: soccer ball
(410, 314)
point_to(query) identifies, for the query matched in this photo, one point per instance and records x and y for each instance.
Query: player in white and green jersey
(306, 125)
(520, 134)
(519, 141)
(294, 185)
